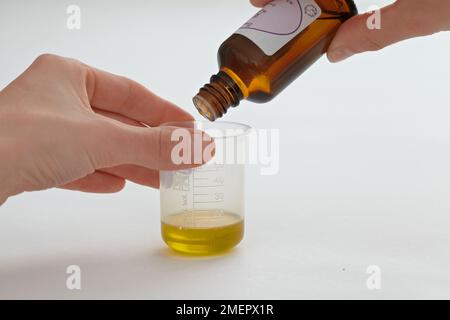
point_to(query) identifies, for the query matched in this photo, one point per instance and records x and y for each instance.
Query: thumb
(396, 22)
(158, 148)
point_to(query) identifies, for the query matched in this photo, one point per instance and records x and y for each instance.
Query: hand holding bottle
(270, 51)
(404, 19)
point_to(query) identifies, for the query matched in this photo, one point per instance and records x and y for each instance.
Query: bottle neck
(216, 97)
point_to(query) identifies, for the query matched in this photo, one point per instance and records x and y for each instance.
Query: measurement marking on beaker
(218, 201)
(198, 178)
(210, 186)
(201, 194)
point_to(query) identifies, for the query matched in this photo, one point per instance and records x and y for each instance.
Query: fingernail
(339, 54)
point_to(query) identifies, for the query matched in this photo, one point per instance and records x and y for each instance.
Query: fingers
(260, 3)
(136, 174)
(123, 96)
(399, 21)
(118, 117)
(159, 148)
(97, 182)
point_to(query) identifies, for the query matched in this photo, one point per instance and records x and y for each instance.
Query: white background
(364, 168)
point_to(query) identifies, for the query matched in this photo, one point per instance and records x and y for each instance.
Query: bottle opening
(204, 106)
(216, 97)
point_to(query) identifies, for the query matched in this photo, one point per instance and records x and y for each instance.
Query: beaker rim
(218, 125)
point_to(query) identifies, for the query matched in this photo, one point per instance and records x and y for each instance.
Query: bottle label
(279, 22)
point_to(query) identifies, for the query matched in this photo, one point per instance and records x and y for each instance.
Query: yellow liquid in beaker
(202, 232)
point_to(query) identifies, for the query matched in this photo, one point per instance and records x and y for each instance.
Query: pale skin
(402, 20)
(67, 125)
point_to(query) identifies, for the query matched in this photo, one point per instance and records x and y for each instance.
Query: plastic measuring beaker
(202, 209)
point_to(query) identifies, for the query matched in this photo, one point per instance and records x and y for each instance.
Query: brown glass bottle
(248, 72)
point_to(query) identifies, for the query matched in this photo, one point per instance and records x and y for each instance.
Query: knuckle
(157, 146)
(98, 138)
(146, 146)
(45, 59)
(372, 44)
(51, 62)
